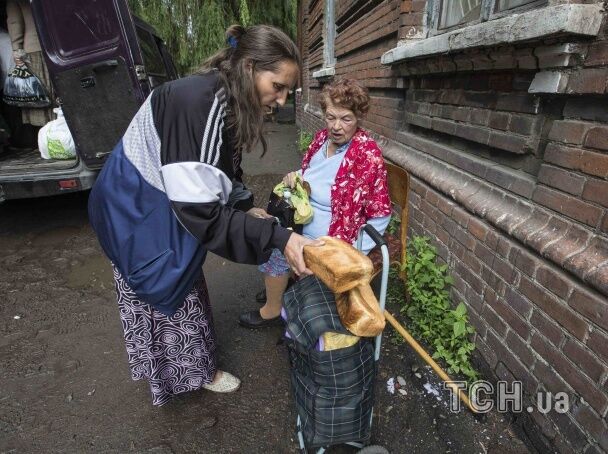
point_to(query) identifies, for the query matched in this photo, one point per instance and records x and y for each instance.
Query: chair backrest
(399, 187)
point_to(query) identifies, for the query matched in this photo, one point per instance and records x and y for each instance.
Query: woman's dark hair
(348, 94)
(265, 48)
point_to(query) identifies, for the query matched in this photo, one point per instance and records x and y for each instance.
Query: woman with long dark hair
(172, 190)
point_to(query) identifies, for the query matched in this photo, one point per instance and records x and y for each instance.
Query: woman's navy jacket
(171, 190)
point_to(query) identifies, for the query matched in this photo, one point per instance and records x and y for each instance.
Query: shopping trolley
(368, 347)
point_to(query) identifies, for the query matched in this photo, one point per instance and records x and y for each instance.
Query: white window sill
(531, 25)
(324, 72)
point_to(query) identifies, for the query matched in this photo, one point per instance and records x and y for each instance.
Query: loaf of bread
(360, 312)
(339, 265)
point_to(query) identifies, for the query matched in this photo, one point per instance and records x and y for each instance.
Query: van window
(94, 28)
(153, 60)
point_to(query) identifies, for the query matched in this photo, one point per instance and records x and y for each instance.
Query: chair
(398, 187)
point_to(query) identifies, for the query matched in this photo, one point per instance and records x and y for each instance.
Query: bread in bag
(339, 265)
(360, 312)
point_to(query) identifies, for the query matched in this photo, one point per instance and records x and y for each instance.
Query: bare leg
(275, 287)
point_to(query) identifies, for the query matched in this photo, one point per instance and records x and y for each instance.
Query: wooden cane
(430, 361)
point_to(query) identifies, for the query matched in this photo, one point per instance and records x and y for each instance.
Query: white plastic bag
(55, 140)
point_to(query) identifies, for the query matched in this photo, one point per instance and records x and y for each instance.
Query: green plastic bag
(299, 199)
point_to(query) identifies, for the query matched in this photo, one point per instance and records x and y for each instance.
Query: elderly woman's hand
(290, 179)
(259, 213)
(294, 252)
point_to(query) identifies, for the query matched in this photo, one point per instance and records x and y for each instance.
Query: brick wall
(511, 185)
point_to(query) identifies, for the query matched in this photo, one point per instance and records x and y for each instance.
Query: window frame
(489, 11)
(328, 69)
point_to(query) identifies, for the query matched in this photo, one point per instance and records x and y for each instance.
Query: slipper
(227, 383)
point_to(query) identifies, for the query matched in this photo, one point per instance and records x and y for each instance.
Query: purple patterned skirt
(175, 354)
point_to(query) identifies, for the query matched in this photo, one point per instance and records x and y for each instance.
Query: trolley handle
(374, 235)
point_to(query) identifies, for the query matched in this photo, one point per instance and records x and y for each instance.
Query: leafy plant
(433, 319)
(304, 140)
(393, 223)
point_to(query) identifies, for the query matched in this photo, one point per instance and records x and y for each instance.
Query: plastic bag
(23, 89)
(299, 199)
(55, 139)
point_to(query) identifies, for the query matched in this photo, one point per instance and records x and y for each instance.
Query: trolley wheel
(373, 449)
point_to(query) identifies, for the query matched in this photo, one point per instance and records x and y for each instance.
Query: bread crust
(338, 264)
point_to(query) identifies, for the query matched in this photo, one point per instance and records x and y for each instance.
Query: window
(327, 39)
(449, 14)
(153, 60)
(510, 4)
(455, 12)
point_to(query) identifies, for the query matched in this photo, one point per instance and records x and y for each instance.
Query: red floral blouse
(360, 191)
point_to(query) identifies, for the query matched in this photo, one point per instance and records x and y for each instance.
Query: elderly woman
(346, 172)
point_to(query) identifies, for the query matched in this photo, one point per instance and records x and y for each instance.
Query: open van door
(96, 67)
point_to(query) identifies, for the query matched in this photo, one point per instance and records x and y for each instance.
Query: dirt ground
(65, 384)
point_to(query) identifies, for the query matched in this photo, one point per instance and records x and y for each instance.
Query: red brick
(597, 54)
(573, 242)
(588, 81)
(592, 422)
(598, 343)
(474, 133)
(519, 347)
(509, 142)
(555, 177)
(568, 131)
(518, 302)
(570, 206)
(418, 6)
(524, 261)
(445, 126)
(479, 116)
(580, 356)
(597, 138)
(473, 280)
(596, 191)
(460, 216)
(559, 312)
(493, 281)
(571, 374)
(494, 321)
(594, 307)
(547, 327)
(505, 270)
(553, 281)
(503, 247)
(487, 352)
(506, 313)
(406, 6)
(562, 156)
(410, 19)
(499, 120)
(478, 228)
(541, 421)
(510, 360)
(550, 379)
(577, 439)
(523, 103)
(522, 124)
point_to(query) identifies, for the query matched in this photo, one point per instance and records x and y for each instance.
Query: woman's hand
(290, 179)
(294, 252)
(259, 213)
(18, 56)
